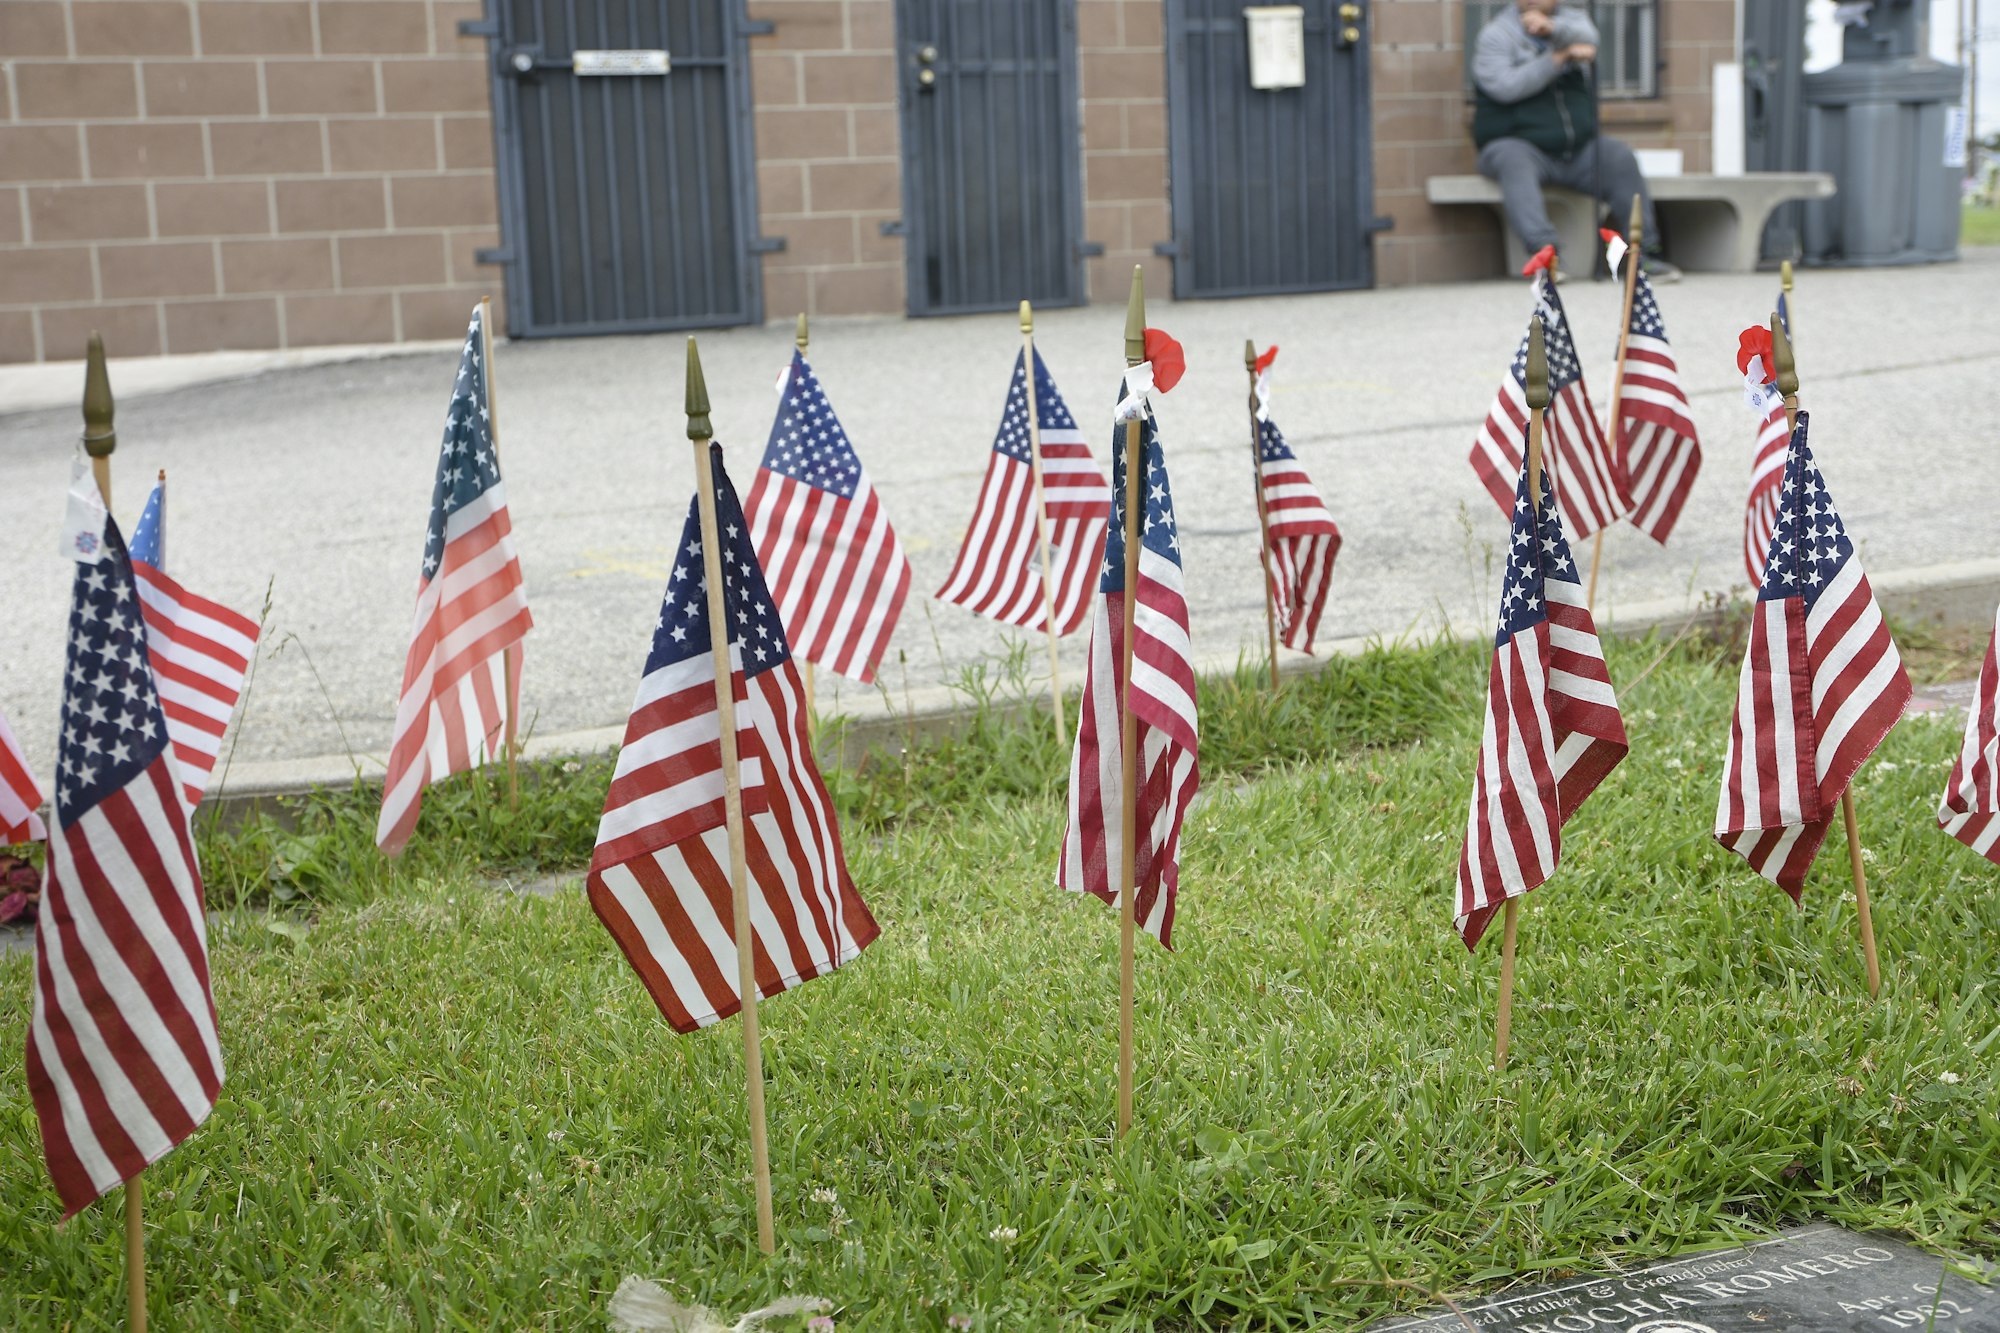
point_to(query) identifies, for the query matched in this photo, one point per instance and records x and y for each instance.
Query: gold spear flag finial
(1538, 369)
(100, 437)
(1635, 230)
(697, 396)
(1250, 355)
(800, 336)
(1781, 352)
(1027, 318)
(1135, 319)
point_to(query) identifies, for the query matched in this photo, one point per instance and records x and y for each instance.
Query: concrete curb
(1951, 596)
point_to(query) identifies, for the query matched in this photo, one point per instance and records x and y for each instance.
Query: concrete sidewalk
(314, 481)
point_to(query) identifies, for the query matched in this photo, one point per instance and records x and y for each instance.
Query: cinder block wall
(1423, 126)
(194, 175)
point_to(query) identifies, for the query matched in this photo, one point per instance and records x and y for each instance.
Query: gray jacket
(1509, 65)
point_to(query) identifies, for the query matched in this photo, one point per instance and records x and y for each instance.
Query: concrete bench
(1710, 223)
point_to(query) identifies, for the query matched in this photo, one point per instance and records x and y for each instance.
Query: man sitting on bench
(1535, 122)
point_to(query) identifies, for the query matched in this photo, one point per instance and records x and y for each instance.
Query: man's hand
(1577, 53)
(1537, 22)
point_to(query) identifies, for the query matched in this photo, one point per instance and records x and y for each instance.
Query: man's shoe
(1659, 270)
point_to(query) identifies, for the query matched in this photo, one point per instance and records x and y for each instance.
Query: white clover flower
(571, 766)
(1002, 1234)
(825, 1195)
(1947, 1077)
(557, 1135)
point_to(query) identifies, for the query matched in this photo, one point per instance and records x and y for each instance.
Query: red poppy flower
(1756, 341)
(1607, 235)
(1264, 361)
(1169, 361)
(1545, 258)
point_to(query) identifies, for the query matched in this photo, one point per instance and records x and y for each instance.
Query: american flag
(1822, 684)
(1163, 704)
(1767, 475)
(819, 529)
(1970, 810)
(1658, 452)
(999, 569)
(20, 794)
(1588, 483)
(123, 1061)
(1304, 539)
(1552, 730)
(200, 651)
(472, 613)
(659, 879)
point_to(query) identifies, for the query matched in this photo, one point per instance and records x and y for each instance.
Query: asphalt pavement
(309, 485)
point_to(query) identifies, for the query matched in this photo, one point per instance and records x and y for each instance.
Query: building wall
(193, 175)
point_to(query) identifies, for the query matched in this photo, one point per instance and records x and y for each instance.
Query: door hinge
(895, 227)
(767, 245)
(1168, 249)
(501, 255)
(1381, 222)
(1089, 249)
(479, 27)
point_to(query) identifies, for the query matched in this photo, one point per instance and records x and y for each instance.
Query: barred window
(1628, 60)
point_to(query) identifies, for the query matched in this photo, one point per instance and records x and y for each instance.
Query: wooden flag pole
(512, 741)
(1785, 286)
(1263, 511)
(701, 433)
(800, 338)
(1128, 725)
(1042, 515)
(100, 441)
(1635, 235)
(100, 437)
(1538, 402)
(1788, 385)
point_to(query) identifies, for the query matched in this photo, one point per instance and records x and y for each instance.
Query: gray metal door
(1774, 115)
(627, 199)
(992, 189)
(1274, 189)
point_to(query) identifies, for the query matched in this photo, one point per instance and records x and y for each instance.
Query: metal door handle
(1350, 13)
(927, 55)
(926, 78)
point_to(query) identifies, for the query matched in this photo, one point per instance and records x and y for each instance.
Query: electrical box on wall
(1277, 45)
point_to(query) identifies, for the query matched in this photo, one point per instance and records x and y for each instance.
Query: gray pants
(1605, 167)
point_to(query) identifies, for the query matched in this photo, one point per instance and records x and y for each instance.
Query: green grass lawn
(450, 1106)
(1981, 226)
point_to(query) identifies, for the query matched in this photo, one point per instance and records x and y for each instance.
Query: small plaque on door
(619, 62)
(1277, 45)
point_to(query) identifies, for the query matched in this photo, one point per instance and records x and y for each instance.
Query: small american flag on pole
(200, 652)
(833, 560)
(999, 572)
(1163, 704)
(1822, 684)
(1658, 451)
(1304, 539)
(123, 1061)
(20, 794)
(659, 878)
(1767, 475)
(462, 678)
(1552, 731)
(1588, 483)
(1970, 810)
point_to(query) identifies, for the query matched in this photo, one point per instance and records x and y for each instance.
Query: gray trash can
(1879, 122)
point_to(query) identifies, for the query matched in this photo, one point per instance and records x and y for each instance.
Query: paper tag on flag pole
(1138, 383)
(83, 520)
(1263, 395)
(1614, 246)
(1759, 391)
